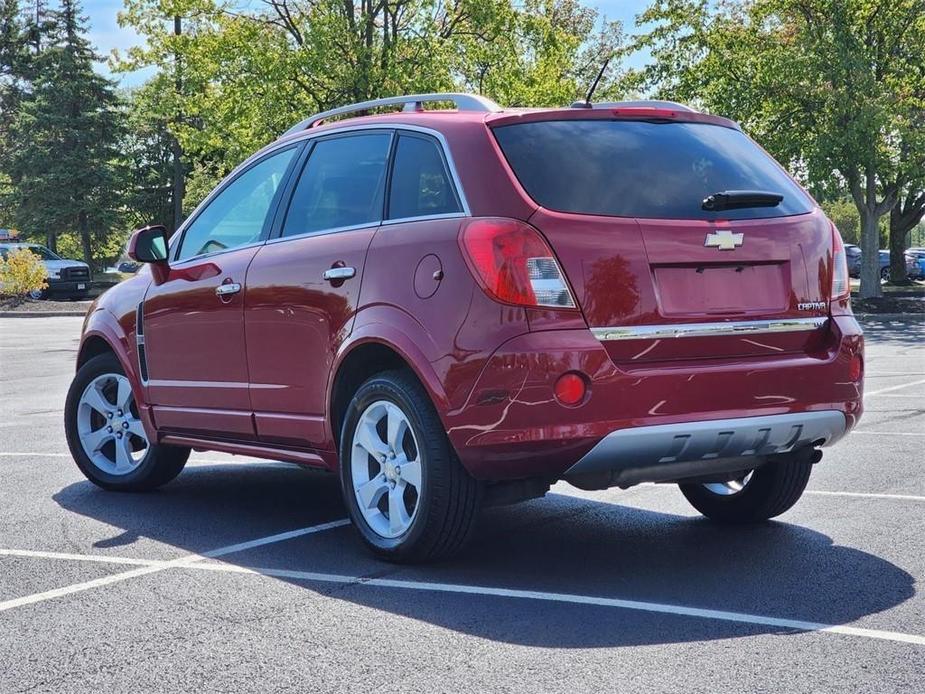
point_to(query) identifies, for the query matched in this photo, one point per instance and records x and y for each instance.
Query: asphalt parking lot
(243, 576)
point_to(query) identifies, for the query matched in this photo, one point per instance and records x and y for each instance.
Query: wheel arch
(93, 346)
(103, 334)
(368, 355)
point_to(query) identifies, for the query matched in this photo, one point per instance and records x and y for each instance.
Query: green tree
(148, 162)
(250, 73)
(833, 88)
(66, 132)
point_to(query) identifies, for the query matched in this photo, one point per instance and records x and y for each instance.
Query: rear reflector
(856, 370)
(570, 389)
(514, 264)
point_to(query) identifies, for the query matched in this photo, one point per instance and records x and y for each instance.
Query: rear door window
(643, 169)
(420, 185)
(342, 184)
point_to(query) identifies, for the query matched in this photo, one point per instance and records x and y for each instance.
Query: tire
(144, 469)
(770, 491)
(439, 499)
(885, 274)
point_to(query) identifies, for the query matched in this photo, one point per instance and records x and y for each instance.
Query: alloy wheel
(731, 487)
(385, 469)
(110, 430)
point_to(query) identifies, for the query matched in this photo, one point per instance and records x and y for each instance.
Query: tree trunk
(51, 241)
(870, 258)
(897, 253)
(904, 217)
(84, 228)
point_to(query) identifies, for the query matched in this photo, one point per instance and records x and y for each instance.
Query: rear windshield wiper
(738, 199)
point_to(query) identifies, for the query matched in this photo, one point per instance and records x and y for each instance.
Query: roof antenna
(587, 103)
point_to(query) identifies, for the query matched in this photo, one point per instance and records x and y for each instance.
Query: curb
(41, 314)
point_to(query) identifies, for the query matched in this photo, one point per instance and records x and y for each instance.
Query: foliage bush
(21, 272)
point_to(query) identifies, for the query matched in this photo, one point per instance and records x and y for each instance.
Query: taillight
(841, 284)
(514, 264)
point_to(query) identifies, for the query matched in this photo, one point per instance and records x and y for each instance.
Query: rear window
(643, 169)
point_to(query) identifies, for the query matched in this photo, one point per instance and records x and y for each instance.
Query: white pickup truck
(67, 279)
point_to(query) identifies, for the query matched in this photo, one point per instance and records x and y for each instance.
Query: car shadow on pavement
(906, 331)
(559, 544)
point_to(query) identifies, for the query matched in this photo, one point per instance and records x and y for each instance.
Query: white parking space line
(823, 492)
(892, 388)
(181, 562)
(636, 605)
(77, 587)
(93, 558)
(23, 454)
(888, 433)
(193, 461)
(901, 395)
(195, 562)
(866, 495)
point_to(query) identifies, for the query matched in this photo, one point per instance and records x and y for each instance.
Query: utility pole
(179, 178)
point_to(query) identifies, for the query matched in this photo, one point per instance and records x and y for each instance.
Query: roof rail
(411, 102)
(642, 103)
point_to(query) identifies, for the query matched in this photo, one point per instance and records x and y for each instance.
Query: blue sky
(106, 34)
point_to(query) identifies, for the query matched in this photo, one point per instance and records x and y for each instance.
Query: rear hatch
(622, 204)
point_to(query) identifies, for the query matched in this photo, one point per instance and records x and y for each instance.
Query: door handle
(227, 289)
(339, 273)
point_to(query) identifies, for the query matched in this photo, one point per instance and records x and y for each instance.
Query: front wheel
(755, 496)
(105, 434)
(407, 493)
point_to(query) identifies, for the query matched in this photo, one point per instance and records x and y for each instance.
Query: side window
(420, 185)
(341, 185)
(236, 216)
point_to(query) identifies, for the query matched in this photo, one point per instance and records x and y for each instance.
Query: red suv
(457, 308)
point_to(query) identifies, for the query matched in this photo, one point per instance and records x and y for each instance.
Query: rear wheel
(105, 434)
(755, 496)
(407, 493)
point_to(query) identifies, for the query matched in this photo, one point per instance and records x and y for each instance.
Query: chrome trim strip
(324, 232)
(753, 327)
(424, 218)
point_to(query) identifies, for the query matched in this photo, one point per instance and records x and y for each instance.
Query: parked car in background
(853, 256)
(128, 267)
(917, 255)
(67, 279)
(458, 308)
(885, 264)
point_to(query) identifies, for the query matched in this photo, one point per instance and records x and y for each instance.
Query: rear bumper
(511, 425)
(77, 288)
(666, 452)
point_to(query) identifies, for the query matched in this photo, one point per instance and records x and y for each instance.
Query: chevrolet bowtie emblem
(724, 240)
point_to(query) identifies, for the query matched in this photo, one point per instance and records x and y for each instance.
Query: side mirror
(149, 244)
